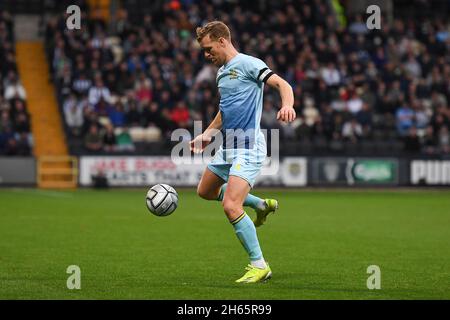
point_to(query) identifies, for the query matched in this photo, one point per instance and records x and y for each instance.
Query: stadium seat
(152, 134)
(137, 134)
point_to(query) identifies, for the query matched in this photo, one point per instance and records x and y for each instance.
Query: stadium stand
(124, 86)
(15, 121)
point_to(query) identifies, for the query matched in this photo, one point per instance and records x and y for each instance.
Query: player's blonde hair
(215, 30)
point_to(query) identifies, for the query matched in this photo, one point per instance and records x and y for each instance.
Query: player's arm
(201, 141)
(287, 112)
(215, 125)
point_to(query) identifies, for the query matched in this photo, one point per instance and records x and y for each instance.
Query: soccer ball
(161, 200)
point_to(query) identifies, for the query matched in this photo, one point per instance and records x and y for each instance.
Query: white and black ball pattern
(161, 200)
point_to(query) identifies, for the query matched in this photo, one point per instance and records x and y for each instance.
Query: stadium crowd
(135, 81)
(15, 131)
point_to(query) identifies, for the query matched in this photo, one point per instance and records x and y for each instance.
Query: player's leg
(245, 230)
(212, 186)
(209, 187)
(249, 201)
(262, 207)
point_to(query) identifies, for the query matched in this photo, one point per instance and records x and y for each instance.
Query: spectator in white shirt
(207, 73)
(354, 104)
(73, 113)
(358, 26)
(352, 130)
(331, 75)
(13, 88)
(99, 91)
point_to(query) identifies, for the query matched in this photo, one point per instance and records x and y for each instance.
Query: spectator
(444, 140)
(405, 120)
(429, 142)
(11, 148)
(103, 108)
(109, 139)
(412, 142)
(124, 141)
(413, 67)
(352, 130)
(5, 135)
(338, 125)
(421, 118)
(82, 85)
(194, 106)
(269, 116)
(437, 100)
(127, 79)
(310, 113)
(23, 145)
(143, 91)
(73, 114)
(440, 120)
(18, 106)
(69, 102)
(395, 95)
(13, 88)
(133, 116)
(165, 100)
(93, 140)
(98, 92)
(206, 74)
(303, 131)
(180, 115)
(331, 75)
(364, 116)
(355, 103)
(154, 116)
(22, 125)
(288, 130)
(358, 26)
(117, 115)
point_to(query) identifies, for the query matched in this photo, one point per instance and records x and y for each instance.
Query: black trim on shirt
(261, 72)
(268, 76)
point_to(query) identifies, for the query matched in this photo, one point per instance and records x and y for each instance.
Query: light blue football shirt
(241, 84)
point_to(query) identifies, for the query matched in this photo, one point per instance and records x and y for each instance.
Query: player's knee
(231, 208)
(201, 192)
(204, 194)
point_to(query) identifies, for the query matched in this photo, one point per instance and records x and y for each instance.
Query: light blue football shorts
(243, 163)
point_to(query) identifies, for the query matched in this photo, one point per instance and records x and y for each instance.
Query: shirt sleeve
(257, 70)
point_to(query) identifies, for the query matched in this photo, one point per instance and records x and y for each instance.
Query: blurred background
(96, 106)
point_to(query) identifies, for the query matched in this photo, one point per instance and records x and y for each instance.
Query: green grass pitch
(319, 245)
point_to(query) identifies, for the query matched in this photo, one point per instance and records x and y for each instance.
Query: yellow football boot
(261, 215)
(254, 274)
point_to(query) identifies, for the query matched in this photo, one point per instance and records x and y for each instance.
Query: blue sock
(246, 233)
(251, 200)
